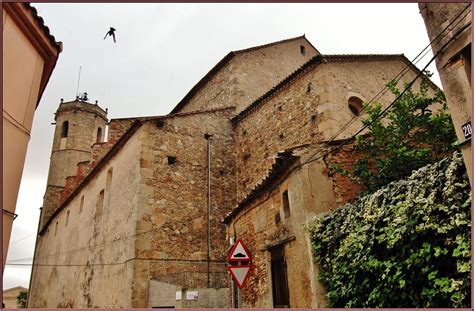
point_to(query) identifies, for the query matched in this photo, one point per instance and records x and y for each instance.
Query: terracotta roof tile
(46, 31)
(283, 161)
(316, 60)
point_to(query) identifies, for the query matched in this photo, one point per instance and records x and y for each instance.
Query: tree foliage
(410, 136)
(21, 299)
(405, 245)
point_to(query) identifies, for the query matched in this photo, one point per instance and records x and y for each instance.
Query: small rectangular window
(171, 160)
(286, 203)
(302, 50)
(160, 123)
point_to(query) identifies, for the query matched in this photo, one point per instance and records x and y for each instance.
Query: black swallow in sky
(111, 33)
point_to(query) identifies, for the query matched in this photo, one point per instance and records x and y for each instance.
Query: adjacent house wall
(263, 224)
(454, 63)
(29, 56)
(21, 63)
(10, 296)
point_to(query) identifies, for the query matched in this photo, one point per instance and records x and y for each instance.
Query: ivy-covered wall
(405, 245)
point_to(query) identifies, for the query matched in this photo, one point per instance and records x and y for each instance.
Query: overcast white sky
(162, 50)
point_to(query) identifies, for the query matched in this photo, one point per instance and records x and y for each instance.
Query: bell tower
(79, 125)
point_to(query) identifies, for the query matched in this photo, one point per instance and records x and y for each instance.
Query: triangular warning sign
(239, 274)
(239, 252)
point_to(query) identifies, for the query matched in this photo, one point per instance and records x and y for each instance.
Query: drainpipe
(33, 263)
(208, 138)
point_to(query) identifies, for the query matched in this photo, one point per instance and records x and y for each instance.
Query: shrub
(406, 245)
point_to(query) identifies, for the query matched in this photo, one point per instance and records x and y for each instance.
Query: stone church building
(145, 217)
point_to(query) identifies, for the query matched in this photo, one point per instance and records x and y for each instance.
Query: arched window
(302, 50)
(64, 133)
(109, 178)
(355, 105)
(56, 228)
(99, 135)
(64, 129)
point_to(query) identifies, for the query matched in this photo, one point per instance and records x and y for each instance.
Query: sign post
(239, 265)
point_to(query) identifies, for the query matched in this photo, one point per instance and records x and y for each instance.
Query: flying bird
(111, 33)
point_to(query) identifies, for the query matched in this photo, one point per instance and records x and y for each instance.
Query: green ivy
(405, 245)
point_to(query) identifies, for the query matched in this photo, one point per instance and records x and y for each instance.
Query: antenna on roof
(78, 80)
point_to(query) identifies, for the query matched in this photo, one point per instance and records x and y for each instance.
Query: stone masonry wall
(453, 64)
(85, 257)
(311, 110)
(263, 224)
(259, 70)
(84, 119)
(218, 92)
(173, 196)
(118, 127)
(249, 75)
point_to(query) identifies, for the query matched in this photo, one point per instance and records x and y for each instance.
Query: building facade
(10, 296)
(30, 53)
(449, 29)
(146, 218)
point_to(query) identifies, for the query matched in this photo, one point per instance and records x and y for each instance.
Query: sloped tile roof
(316, 60)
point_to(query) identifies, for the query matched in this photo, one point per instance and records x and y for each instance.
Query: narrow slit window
(81, 205)
(64, 129)
(67, 218)
(108, 183)
(100, 203)
(286, 203)
(99, 135)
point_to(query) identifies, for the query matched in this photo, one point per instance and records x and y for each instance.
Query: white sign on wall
(178, 295)
(191, 295)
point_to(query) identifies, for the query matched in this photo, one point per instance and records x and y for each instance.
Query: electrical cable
(312, 159)
(383, 112)
(398, 77)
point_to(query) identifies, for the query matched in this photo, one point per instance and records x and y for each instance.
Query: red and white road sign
(239, 274)
(239, 252)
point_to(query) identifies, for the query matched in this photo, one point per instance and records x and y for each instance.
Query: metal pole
(233, 294)
(208, 137)
(78, 79)
(239, 294)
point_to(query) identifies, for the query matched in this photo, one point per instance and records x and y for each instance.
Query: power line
(397, 78)
(22, 259)
(312, 159)
(24, 238)
(203, 261)
(402, 73)
(383, 112)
